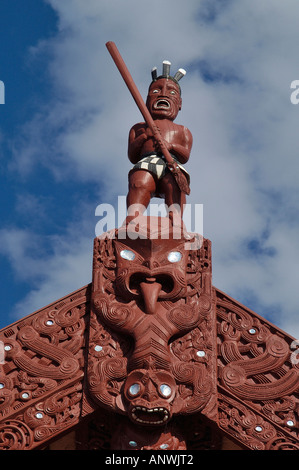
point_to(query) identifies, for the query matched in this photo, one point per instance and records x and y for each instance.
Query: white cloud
(244, 164)
(52, 275)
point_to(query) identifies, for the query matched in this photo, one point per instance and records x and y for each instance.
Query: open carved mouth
(149, 416)
(162, 104)
(167, 284)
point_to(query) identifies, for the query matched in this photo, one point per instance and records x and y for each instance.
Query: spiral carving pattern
(15, 435)
(113, 313)
(233, 375)
(44, 359)
(183, 317)
(115, 368)
(255, 366)
(277, 347)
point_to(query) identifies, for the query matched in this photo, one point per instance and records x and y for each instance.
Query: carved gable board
(258, 379)
(41, 378)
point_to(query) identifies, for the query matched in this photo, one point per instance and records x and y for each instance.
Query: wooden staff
(171, 163)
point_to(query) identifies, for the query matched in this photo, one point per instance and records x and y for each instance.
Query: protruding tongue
(150, 290)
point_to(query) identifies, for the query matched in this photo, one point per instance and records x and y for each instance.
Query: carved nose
(151, 264)
(150, 290)
(150, 392)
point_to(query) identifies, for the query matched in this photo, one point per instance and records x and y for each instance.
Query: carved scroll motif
(15, 435)
(254, 366)
(250, 428)
(41, 379)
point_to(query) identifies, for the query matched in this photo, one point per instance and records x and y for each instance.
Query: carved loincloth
(157, 165)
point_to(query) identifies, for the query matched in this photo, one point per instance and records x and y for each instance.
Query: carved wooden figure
(150, 175)
(157, 147)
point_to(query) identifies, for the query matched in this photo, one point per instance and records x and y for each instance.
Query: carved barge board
(42, 375)
(258, 382)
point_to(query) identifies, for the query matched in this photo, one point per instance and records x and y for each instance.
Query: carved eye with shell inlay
(128, 255)
(134, 390)
(174, 256)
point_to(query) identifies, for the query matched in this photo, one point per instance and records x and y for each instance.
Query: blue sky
(66, 118)
(22, 25)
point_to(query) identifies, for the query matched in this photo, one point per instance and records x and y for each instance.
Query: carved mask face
(156, 272)
(164, 100)
(150, 394)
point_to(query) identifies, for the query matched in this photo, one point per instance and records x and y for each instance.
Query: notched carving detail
(254, 366)
(41, 379)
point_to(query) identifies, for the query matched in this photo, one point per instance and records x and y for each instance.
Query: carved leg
(174, 200)
(173, 195)
(142, 185)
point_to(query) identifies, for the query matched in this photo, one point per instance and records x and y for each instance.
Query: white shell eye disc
(128, 255)
(134, 389)
(174, 256)
(165, 390)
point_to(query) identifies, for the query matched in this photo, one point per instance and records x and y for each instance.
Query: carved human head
(164, 95)
(164, 100)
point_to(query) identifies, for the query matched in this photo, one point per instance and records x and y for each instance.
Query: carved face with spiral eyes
(157, 271)
(150, 395)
